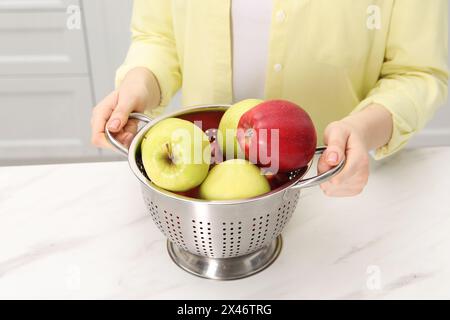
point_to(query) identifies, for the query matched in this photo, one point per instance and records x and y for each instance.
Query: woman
(370, 73)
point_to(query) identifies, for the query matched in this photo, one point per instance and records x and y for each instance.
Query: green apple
(234, 179)
(176, 154)
(229, 124)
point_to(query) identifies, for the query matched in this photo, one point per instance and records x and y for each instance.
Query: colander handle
(314, 181)
(116, 144)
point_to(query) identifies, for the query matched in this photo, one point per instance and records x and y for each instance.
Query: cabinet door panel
(35, 39)
(40, 5)
(45, 118)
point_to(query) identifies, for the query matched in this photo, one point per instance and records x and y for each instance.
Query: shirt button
(277, 67)
(281, 16)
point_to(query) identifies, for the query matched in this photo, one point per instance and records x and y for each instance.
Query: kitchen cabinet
(46, 92)
(45, 118)
(37, 41)
(51, 75)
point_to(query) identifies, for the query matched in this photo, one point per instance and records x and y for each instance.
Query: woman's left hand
(345, 140)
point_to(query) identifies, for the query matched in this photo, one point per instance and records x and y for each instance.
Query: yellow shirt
(332, 57)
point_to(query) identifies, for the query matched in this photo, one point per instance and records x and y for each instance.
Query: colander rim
(136, 142)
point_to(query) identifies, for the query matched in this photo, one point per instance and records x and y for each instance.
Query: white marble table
(81, 231)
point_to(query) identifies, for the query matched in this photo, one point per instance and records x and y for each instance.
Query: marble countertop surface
(82, 231)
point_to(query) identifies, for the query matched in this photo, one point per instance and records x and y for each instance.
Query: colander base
(226, 268)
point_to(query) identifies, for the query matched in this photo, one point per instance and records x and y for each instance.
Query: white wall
(437, 132)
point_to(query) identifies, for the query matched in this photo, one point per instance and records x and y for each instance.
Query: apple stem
(169, 151)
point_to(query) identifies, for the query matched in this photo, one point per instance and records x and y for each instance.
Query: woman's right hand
(139, 91)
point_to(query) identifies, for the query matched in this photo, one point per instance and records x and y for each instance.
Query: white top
(250, 45)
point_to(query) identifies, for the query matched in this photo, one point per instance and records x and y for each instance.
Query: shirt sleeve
(414, 75)
(153, 46)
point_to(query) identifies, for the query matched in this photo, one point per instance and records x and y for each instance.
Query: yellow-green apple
(208, 121)
(277, 134)
(226, 135)
(234, 179)
(176, 154)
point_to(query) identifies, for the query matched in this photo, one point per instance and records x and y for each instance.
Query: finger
(100, 116)
(121, 136)
(119, 117)
(124, 137)
(131, 127)
(322, 165)
(325, 186)
(333, 191)
(356, 166)
(355, 173)
(128, 139)
(130, 130)
(335, 138)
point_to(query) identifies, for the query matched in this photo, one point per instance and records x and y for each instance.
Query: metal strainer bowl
(218, 239)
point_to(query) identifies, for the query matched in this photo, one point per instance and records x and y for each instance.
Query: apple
(207, 119)
(234, 179)
(229, 124)
(192, 193)
(176, 154)
(276, 180)
(216, 153)
(277, 134)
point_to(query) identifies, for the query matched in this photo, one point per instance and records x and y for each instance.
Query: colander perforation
(222, 239)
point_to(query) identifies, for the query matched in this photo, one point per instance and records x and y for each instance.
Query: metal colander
(218, 239)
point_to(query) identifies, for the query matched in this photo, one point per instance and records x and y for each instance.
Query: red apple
(277, 180)
(192, 193)
(296, 135)
(207, 119)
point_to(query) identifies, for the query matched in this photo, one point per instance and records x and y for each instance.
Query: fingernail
(332, 157)
(114, 124)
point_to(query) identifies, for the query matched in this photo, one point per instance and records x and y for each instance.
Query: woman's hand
(139, 91)
(352, 138)
(343, 140)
